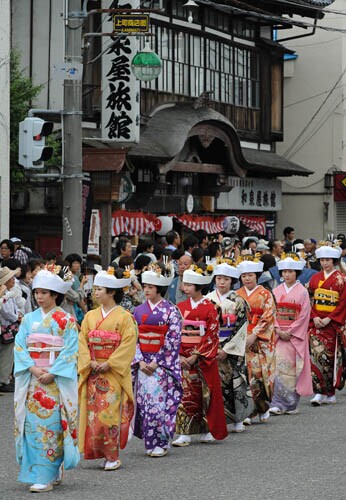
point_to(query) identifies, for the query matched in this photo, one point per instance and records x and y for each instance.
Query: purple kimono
(158, 395)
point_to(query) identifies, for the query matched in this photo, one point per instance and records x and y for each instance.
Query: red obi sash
(287, 312)
(151, 337)
(44, 348)
(192, 332)
(255, 315)
(227, 328)
(102, 343)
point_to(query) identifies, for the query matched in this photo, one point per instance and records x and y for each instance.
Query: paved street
(298, 457)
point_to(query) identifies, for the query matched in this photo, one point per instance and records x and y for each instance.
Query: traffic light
(32, 149)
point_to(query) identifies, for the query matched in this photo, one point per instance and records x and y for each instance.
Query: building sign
(251, 194)
(120, 88)
(131, 23)
(340, 186)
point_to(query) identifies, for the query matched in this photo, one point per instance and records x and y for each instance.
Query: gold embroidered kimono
(260, 357)
(106, 399)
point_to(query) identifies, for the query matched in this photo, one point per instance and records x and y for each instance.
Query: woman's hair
(144, 245)
(298, 273)
(197, 254)
(161, 290)
(11, 263)
(125, 261)
(73, 257)
(59, 296)
(268, 261)
(141, 262)
(25, 268)
(117, 295)
(33, 263)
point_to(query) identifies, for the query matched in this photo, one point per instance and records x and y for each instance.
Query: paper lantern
(231, 224)
(163, 224)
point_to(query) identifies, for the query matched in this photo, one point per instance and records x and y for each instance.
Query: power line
(311, 97)
(314, 115)
(314, 132)
(317, 9)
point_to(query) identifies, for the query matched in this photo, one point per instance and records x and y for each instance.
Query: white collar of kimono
(221, 296)
(105, 313)
(195, 304)
(152, 306)
(289, 288)
(249, 292)
(326, 275)
(46, 314)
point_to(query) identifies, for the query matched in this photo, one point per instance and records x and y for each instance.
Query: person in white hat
(46, 402)
(327, 321)
(260, 342)
(232, 335)
(107, 345)
(201, 410)
(293, 373)
(156, 365)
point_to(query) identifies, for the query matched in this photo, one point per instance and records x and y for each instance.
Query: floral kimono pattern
(260, 357)
(46, 414)
(106, 399)
(293, 374)
(201, 409)
(327, 344)
(158, 395)
(236, 393)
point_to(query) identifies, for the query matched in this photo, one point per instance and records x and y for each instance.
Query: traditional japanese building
(209, 123)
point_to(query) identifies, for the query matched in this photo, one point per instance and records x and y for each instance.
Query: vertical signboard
(120, 88)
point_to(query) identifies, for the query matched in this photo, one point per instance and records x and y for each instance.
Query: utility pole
(72, 135)
(5, 23)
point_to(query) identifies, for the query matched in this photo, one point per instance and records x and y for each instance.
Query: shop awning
(208, 223)
(266, 162)
(256, 223)
(132, 223)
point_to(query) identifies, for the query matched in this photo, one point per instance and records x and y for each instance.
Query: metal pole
(72, 136)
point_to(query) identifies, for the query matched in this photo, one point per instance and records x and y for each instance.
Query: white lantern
(231, 224)
(163, 225)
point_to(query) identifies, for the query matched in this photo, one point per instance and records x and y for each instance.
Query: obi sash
(255, 315)
(325, 300)
(151, 337)
(192, 331)
(287, 312)
(44, 348)
(102, 343)
(227, 328)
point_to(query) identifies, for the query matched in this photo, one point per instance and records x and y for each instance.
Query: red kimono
(329, 301)
(201, 409)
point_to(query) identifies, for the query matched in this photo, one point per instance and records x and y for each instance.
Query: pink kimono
(293, 373)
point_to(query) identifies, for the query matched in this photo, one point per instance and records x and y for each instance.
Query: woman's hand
(152, 367)
(184, 363)
(325, 322)
(192, 359)
(221, 355)
(94, 365)
(318, 322)
(251, 339)
(46, 378)
(37, 372)
(144, 368)
(104, 367)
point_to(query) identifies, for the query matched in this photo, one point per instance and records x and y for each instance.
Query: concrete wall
(4, 118)
(38, 34)
(319, 143)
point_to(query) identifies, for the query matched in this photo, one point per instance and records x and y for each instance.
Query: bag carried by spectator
(9, 332)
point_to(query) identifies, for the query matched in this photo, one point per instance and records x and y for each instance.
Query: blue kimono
(46, 414)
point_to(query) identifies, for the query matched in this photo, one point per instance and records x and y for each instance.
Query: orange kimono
(260, 357)
(106, 403)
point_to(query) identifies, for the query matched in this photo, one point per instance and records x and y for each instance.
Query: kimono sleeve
(121, 359)
(209, 345)
(65, 364)
(265, 325)
(84, 358)
(22, 359)
(172, 338)
(241, 310)
(339, 313)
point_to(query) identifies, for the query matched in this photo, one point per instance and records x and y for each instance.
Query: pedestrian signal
(32, 149)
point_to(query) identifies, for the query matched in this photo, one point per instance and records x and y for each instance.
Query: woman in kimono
(293, 374)
(231, 355)
(45, 368)
(157, 370)
(327, 324)
(107, 344)
(260, 342)
(201, 410)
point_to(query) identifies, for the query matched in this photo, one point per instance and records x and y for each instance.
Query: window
(192, 64)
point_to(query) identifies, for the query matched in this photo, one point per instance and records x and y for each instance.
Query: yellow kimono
(106, 399)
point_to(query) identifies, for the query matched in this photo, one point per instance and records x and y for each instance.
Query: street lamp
(191, 5)
(146, 65)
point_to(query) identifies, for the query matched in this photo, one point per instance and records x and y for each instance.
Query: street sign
(131, 23)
